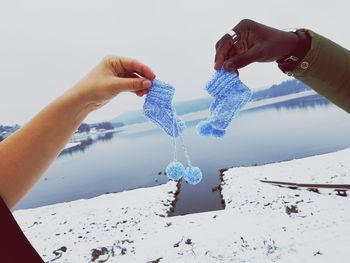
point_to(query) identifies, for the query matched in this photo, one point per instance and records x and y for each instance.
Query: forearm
(26, 154)
(327, 71)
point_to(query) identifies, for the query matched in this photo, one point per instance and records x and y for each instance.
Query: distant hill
(282, 89)
(188, 106)
(6, 131)
(130, 117)
(184, 107)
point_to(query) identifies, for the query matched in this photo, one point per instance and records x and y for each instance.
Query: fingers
(128, 75)
(227, 49)
(136, 85)
(140, 93)
(132, 65)
(131, 75)
(243, 59)
(242, 44)
(224, 48)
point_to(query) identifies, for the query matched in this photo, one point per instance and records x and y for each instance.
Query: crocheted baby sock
(214, 82)
(230, 95)
(159, 109)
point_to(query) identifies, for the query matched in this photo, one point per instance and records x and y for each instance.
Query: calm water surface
(130, 159)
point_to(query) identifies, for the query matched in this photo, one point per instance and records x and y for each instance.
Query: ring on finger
(233, 36)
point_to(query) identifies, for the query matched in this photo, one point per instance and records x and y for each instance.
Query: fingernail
(146, 84)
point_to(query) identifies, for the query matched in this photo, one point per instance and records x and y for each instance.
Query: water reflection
(307, 102)
(134, 157)
(85, 144)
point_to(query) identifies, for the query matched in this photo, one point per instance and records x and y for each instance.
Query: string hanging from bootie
(175, 170)
(159, 109)
(193, 175)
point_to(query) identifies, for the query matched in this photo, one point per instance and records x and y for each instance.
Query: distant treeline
(84, 127)
(184, 107)
(284, 88)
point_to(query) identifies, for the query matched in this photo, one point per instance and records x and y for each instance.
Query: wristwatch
(292, 60)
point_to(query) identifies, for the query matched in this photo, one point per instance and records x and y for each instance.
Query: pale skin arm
(25, 155)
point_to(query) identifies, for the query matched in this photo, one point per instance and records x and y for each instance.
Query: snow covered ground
(261, 222)
(71, 145)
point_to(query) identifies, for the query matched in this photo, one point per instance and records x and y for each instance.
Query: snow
(261, 222)
(305, 226)
(111, 220)
(71, 145)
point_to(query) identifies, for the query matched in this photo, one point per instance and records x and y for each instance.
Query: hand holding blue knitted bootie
(230, 95)
(159, 109)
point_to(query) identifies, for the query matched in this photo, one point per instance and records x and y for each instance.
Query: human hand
(110, 77)
(25, 155)
(256, 43)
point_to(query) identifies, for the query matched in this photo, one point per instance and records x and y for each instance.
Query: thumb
(133, 84)
(242, 59)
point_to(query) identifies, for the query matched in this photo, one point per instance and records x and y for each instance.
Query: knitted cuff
(161, 91)
(220, 80)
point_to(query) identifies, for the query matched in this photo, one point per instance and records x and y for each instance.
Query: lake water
(134, 158)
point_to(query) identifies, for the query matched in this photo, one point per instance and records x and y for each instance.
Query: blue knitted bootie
(230, 95)
(159, 109)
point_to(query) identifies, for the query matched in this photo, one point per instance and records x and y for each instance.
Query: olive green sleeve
(326, 69)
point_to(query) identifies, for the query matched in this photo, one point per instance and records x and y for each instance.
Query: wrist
(289, 62)
(291, 43)
(77, 102)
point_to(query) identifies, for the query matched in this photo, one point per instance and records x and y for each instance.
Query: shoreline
(63, 182)
(260, 222)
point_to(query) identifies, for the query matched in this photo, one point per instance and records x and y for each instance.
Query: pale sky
(47, 46)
